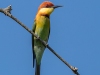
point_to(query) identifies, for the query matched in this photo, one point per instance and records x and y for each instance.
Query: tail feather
(37, 69)
(33, 59)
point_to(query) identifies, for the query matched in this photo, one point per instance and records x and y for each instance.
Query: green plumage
(41, 28)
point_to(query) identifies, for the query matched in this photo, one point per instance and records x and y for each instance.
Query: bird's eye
(46, 6)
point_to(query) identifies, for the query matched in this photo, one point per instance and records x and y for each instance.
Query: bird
(41, 28)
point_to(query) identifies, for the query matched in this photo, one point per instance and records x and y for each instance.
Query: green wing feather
(33, 29)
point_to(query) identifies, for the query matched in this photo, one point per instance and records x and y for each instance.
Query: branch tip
(7, 10)
(75, 69)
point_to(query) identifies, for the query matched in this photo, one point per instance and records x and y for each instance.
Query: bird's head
(47, 8)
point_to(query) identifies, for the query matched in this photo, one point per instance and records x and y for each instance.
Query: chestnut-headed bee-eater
(41, 28)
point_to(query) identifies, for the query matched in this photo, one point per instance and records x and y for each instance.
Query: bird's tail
(37, 69)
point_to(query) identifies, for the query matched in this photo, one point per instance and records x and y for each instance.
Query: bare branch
(7, 11)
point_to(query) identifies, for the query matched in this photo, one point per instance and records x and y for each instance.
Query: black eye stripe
(47, 6)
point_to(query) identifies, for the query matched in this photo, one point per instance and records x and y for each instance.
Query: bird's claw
(45, 43)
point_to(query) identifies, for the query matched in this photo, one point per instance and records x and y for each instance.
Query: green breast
(43, 27)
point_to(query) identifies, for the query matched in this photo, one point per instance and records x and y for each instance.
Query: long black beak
(56, 6)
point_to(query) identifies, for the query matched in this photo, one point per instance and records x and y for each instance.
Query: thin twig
(7, 11)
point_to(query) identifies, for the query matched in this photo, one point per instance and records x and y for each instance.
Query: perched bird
(41, 28)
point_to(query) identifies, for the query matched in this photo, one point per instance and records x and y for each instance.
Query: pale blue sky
(75, 36)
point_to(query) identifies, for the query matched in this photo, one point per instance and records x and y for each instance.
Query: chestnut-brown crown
(46, 4)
